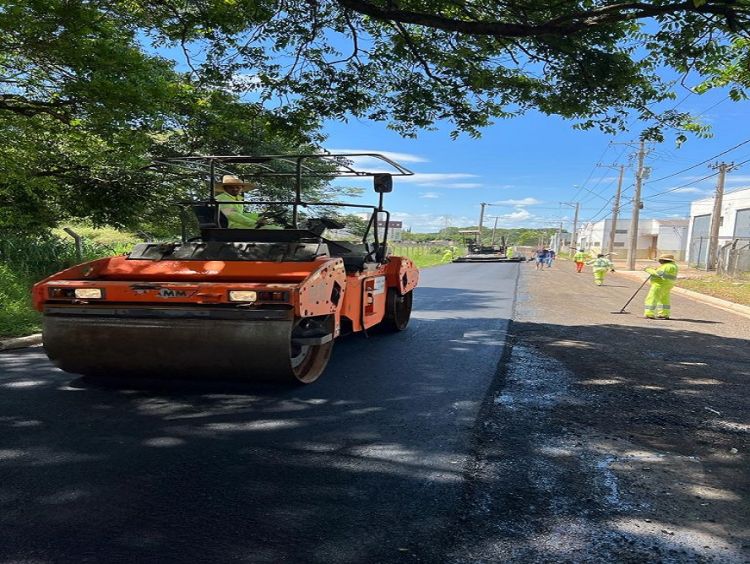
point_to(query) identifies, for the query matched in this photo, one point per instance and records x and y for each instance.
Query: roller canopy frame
(295, 166)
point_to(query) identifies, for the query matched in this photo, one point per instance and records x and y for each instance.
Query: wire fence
(734, 259)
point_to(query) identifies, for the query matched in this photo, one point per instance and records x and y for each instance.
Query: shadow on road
(369, 464)
(365, 465)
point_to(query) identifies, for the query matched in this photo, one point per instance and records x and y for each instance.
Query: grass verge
(17, 317)
(736, 291)
(24, 260)
(424, 256)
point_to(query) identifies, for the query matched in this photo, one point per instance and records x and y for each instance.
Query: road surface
(369, 464)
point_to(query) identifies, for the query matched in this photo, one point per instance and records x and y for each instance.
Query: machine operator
(230, 191)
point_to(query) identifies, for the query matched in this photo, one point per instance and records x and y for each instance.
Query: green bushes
(26, 259)
(17, 317)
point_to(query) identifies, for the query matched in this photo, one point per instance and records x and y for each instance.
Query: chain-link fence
(734, 259)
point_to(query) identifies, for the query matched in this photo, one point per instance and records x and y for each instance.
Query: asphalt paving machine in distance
(484, 253)
(249, 304)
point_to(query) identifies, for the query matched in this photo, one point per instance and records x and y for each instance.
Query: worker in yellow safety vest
(580, 259)
(230, 192)
(233, 207)
(601, 265)
(662, 281)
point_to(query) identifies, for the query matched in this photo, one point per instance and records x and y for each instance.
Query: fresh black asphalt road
(366, 465)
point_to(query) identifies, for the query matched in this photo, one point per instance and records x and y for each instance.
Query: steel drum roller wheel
(183, 348)
(308, 361)
(398, 310)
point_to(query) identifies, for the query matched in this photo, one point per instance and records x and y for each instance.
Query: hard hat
(667, 258)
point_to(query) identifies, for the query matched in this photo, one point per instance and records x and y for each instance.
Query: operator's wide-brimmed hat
(231, 180)
(667, 257)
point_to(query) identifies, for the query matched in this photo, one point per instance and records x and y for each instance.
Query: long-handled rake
(622, 311)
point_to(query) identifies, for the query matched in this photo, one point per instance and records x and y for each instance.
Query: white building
(560, 242)
(655, 237)
(733, 224)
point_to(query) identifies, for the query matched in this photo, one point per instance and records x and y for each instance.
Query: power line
(700, 163)
(609, 144)
(591, 190)
(604, 207)
(714, 105)
(652, 196)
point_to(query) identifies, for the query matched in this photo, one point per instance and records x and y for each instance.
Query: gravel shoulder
(611, 437)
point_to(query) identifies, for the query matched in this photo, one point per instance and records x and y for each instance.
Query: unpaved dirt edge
(603, 495)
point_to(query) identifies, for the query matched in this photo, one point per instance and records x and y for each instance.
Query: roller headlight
(242, 296)
(88, 293)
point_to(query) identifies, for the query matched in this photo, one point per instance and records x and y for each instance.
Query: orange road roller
(249, 303)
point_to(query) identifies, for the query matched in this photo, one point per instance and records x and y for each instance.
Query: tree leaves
(90, 95)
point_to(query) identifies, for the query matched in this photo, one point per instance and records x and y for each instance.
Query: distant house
(733, 224)
(655, 237)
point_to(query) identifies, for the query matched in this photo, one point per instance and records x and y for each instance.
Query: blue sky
(528, 165)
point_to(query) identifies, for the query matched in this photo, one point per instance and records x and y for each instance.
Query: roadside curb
(726, 305)
(21, 342)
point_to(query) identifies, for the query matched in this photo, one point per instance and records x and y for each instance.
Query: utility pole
(559, 239)
(633, 235)
(615, 211)
(615, 207)
(713, 241)
(481, 220)
(494, 228)
(574, 235)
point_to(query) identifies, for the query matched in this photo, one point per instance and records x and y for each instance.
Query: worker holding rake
(662, 281)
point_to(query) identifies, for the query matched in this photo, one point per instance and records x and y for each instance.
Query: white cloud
(429, 195)
(245, 81)
(687, 191)
(518, 215)
(462, 185)
(523, 202)
(423, 179)
(737, 179)
(426, 222)
(435, 178)
(398, 157)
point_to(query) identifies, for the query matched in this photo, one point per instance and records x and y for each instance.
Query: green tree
(87, 101)
(84, 111)
(415, 62)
